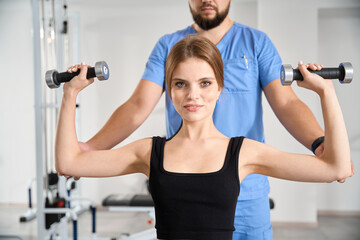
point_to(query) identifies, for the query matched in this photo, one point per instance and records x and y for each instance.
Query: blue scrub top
(251, 61)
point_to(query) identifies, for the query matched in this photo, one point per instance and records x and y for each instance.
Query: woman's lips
(193, 107)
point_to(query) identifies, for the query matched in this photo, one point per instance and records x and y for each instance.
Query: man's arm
(127, 118)
(294, 115)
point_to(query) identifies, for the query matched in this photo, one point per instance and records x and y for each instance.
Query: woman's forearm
(66, 142)
(337, 149)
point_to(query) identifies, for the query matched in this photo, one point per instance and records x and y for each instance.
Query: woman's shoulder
(144, 142)
(140, 147)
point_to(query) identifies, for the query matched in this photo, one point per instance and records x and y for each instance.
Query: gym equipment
(133, 203)
(137, 200)
(31, 212)
(11, 236)
(53, 179)
(344, 73)
(53, 78)
(70, 185)
(51, 218)
(63, 220)
(52, 50)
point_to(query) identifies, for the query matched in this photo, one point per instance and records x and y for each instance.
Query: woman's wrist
(70, 93)
(325, 90)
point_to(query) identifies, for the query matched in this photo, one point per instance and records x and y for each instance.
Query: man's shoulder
(248, 29)
(172, 38)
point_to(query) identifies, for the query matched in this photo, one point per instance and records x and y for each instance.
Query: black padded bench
(137, 200)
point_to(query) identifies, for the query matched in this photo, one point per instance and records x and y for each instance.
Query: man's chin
(208, 16)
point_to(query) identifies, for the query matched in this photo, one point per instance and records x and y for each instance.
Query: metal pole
(41, 232)
(58, 11)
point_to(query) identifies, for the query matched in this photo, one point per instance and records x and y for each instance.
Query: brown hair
(194, 46)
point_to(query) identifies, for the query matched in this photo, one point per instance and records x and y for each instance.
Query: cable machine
(55, 44)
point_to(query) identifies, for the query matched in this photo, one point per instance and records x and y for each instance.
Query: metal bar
(11, 236)
(41, 232)
(131, 209)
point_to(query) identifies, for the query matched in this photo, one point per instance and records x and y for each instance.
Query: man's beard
(207, 24)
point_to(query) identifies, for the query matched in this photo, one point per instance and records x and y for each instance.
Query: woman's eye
(179, 84)
(205, 84)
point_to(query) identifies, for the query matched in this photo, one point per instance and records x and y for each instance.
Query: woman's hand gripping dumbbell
(54, 78)
(344, 73)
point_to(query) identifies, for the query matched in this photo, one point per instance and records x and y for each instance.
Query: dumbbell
(53, 78)
(344, 73)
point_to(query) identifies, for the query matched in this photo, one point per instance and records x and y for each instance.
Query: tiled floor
(329, 228)
(113, 224)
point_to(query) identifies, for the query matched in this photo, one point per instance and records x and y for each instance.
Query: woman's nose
(194, 92)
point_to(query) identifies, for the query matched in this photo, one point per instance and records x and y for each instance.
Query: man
(251, 64)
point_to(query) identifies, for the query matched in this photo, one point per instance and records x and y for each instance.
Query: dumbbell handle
(344, 73)
(327, 73)
(53, 78)
(66, 77)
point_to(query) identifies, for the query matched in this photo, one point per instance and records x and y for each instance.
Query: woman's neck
(198, 130)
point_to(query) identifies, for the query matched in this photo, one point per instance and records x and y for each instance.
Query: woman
(195, 176)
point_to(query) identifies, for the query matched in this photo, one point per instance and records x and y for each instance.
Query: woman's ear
(220, 91)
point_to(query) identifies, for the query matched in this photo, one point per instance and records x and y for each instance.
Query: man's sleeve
(269, 61)
(155, 66)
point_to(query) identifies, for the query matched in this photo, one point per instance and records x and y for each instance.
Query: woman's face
(194, 89)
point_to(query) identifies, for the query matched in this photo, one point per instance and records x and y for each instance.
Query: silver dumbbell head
(287, 74)
(349, 72)
(49, 78)
(102, 70)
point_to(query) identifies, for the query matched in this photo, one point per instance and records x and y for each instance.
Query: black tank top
(195, 205)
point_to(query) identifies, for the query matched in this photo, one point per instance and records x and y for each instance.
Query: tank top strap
(157, 152)
(234, 149)
(233, 155)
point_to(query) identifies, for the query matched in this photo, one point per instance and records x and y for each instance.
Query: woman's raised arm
(334, 164)
(70, 160)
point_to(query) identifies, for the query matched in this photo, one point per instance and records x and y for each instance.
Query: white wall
(123, 33)
(17, 147)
